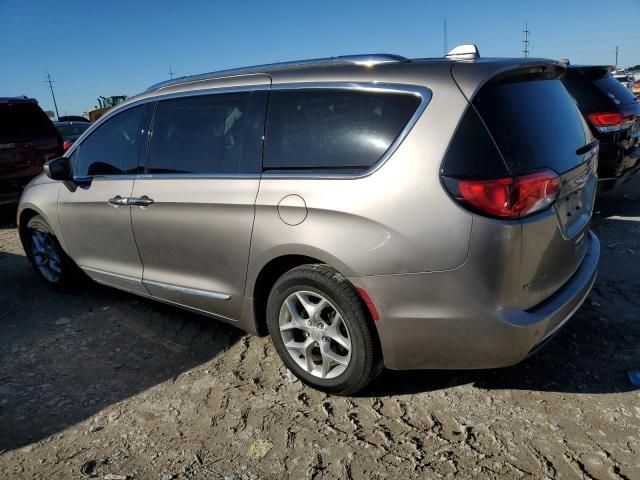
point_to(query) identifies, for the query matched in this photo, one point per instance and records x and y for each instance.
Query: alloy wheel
(46, 255)
(315, 334)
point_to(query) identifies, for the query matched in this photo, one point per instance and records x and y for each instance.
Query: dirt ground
(133, 389)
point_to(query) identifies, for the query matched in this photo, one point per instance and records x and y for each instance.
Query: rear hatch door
(537, 126)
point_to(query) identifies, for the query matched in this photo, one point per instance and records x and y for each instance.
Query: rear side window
(535, 124)
(472, 153)
(23, 122)
(208, 134)
(112, 149)
(312, 129)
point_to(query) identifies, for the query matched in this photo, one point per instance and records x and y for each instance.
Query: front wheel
(321, 330)
(49, 261)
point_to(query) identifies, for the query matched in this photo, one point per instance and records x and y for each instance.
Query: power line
(50, 82)
(525, 41)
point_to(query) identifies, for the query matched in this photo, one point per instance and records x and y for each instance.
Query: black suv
(27, 140)
(613, 114)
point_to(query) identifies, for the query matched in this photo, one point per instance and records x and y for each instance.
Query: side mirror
(58, 169)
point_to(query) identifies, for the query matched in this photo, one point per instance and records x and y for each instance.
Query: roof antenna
(464, 52)
(446, 48)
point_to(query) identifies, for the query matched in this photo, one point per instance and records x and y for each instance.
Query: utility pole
(525, 41)
(446, 48)
(616, 57)
(171, 73)
(50, 82)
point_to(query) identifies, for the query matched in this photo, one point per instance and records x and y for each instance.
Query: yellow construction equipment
(105, 103)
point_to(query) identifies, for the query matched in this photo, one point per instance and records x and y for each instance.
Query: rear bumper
(616, 165)
(428, 321)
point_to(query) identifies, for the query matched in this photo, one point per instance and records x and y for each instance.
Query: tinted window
(590, 98)
(23, 122)
(472, 153)
(333, 129)
(219, 133)
(616, 91)
(535, 124)
(72, 131)
(112, 149)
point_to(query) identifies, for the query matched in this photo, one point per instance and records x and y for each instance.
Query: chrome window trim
(189, 291)
(93, 178)
(212, 91)
(183, 176)
(425, 94)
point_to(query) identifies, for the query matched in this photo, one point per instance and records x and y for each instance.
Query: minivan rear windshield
(616, 91)
(23, 122)
(535, 124)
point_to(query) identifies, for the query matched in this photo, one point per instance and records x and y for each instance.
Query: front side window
(208, 134)
(333, 129)
(112, 149)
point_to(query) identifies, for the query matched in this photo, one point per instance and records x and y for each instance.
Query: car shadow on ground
(65, 356)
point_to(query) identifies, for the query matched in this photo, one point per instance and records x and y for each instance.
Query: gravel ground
(133, 389)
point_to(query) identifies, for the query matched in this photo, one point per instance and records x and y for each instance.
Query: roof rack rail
(367, 60)
(463, 52)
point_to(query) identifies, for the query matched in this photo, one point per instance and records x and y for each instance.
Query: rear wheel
(49, 261)
(321, 330)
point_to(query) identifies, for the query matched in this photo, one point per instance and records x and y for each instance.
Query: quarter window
(333, 129)
(208, 134)
(112, 149)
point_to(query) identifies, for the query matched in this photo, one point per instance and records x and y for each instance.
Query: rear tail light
(611, 122)
(66, 145)
(508, 198)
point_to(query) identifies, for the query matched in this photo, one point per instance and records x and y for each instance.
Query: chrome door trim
(188, 291)
(423, 93)
(111, 274)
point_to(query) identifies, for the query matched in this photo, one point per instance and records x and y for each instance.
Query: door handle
(142, 201)
(117, 200)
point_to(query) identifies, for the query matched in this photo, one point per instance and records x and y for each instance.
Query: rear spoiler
(472, 76)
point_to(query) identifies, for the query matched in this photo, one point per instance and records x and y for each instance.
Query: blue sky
(115, 47)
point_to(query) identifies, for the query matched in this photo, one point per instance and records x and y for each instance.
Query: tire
(335, 348)
(41, 258)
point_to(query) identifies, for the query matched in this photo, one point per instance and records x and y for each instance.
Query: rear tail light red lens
(66, 145)
(511, 197)
(612, 121)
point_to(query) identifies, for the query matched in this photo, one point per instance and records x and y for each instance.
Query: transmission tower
(525, 40)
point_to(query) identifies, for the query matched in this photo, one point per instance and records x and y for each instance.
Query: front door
(94, 215)
(193, 211)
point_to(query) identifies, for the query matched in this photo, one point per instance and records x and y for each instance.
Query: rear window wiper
(588, 147)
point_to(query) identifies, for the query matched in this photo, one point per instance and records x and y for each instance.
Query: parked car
(71, 131)
(27, 140)
(428, 213)
(73, 118)
(624, 78)
(613, 115)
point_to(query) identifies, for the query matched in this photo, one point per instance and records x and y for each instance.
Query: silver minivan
(365, 211)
